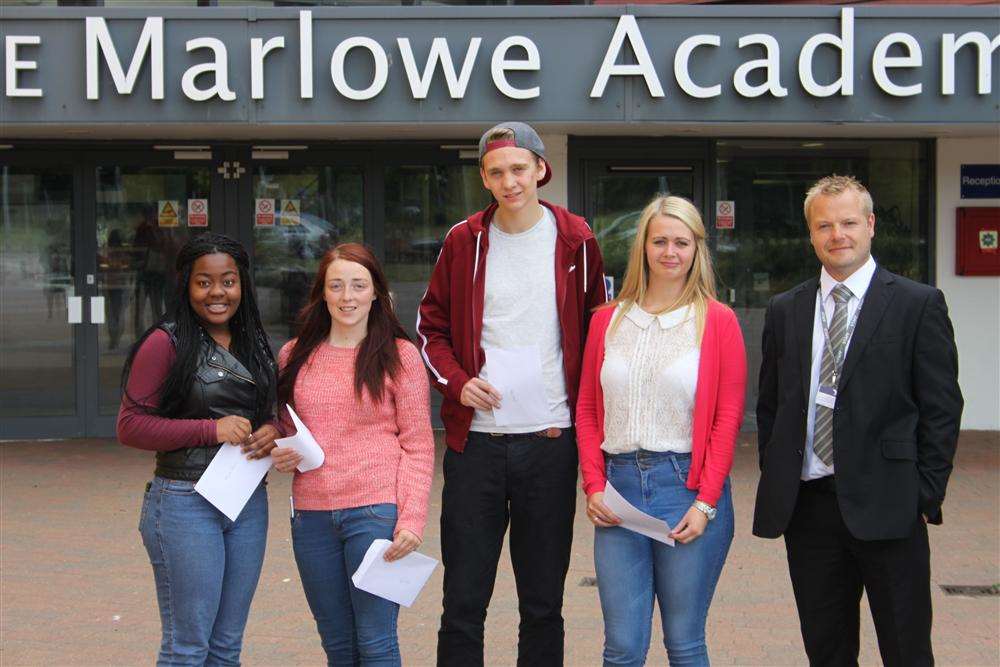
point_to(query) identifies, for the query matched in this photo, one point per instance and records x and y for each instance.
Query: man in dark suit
(858, 417)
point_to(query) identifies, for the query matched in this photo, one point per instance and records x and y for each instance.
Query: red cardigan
(718, 404)
(450, 317)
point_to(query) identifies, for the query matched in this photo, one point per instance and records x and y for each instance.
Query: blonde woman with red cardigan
(661, 402)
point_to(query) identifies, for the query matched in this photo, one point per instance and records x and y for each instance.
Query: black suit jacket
(896, 422)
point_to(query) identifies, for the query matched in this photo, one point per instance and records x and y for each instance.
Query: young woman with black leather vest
(203, 376)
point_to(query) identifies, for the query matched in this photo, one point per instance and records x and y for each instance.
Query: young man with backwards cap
(521, 273)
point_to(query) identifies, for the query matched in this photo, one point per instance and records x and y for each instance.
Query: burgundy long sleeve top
(137, 427)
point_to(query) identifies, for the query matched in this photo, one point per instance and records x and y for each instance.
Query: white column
(556, 191)
(973, 301)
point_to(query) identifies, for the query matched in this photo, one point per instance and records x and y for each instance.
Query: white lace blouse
(649, 377)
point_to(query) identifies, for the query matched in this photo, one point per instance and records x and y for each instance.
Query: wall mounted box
(978, 241)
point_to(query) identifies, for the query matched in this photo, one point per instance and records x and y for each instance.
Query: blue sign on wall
(980, 181)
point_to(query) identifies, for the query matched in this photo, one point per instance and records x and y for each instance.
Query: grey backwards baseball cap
(524, 137)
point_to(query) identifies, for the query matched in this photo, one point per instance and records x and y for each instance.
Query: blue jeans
(632, 568)
(206, 569)
(355, 627)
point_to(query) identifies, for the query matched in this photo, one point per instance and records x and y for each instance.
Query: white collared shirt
(649, 377)
(857, 282)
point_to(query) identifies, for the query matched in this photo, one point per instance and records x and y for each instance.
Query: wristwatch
(709, 511)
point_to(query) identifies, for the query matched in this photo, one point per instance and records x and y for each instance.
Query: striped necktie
(823, 431)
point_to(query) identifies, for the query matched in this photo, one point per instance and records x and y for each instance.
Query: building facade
(124, 131)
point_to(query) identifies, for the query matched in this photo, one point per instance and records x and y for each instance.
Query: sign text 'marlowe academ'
(739, 60)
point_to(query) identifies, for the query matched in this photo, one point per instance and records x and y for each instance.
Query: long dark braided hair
(249, 341)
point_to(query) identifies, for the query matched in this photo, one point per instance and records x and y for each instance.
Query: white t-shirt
(520, 310)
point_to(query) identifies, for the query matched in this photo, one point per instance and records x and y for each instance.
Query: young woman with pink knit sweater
(359, 384)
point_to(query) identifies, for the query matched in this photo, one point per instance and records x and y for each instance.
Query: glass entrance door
(145, 208)
(42, 309)
(298, 212)
(615, 195)
(422, 202)
(764, 250)
(91, 237)
(89, 242)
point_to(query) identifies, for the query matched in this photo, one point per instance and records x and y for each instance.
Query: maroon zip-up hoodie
(450, 318)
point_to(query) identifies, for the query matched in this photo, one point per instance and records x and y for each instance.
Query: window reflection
(142, 222)
(313, 209)
(36, 277)
(421, 204)
(617, 199)
(768, 250)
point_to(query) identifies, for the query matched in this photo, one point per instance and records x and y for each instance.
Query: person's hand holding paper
(230, 479)
(405, 543)
(299, 451)
(635, 519)
(261, 442)
(400, 580)
(517, 375)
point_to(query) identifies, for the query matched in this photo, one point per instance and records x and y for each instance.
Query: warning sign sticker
(725, 214)
(290, 211)
(167, 213)
(197, 211)
(264, 213)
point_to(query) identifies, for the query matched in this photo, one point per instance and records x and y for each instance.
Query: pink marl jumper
(375, 452)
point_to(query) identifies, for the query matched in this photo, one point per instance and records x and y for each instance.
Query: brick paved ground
(76, 587)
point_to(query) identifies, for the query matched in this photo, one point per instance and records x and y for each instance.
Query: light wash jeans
(632, 568)
(206, 569)
(355, 627)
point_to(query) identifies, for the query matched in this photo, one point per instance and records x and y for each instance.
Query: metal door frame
(585, 154)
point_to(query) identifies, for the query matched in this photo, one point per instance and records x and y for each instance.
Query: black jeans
(829, 567)
(527, 481)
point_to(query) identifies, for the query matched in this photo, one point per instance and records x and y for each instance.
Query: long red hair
(378, 356)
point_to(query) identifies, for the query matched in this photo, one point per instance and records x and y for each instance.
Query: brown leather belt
(551, 432)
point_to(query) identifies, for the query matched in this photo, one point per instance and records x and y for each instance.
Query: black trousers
(829, 568)
(528, 481)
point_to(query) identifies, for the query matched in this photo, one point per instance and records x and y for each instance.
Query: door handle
(74, 309)
(97, 310)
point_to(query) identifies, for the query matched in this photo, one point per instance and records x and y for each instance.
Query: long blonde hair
(699, 287)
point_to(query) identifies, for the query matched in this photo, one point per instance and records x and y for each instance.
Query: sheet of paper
(230, 479)
(399, 581)
(304, 443)
(635, 519)
(517, 375)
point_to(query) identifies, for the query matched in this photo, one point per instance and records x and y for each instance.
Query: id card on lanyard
(826, 395)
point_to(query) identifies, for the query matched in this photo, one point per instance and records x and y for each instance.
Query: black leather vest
(222, 386)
